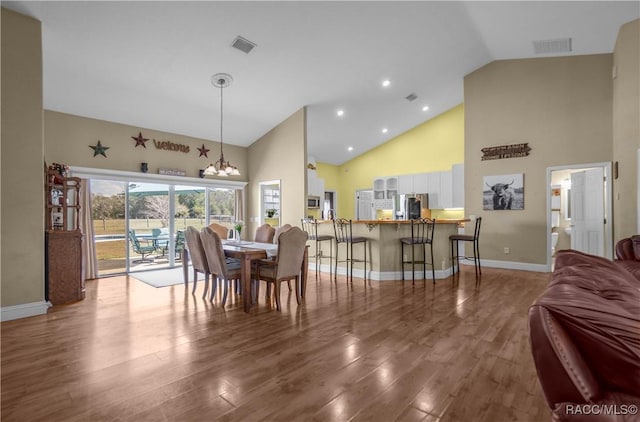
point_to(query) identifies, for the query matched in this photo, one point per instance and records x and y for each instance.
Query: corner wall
(626, 129)
(281, 154)
(22, 172)
(562, 107)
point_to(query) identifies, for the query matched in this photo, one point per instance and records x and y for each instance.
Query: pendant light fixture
(221, 167)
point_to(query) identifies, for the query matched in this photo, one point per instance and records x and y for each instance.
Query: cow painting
(502, 196)
(503, 192)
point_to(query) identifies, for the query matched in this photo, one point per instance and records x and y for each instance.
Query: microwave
(313, 202)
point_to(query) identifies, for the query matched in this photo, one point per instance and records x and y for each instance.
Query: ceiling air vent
(243, 44)
(411, 97)
(561, 45)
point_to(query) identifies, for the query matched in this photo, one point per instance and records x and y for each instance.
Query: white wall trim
(25, 310)
(130, 176)
(440, 274)
(608, 204)
(513, 265)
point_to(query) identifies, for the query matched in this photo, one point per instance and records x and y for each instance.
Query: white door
(587, 211)
(364, 205)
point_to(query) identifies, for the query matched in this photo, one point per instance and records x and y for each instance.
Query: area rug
(164, 278)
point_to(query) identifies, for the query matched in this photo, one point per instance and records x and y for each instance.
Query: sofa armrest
(563, 373)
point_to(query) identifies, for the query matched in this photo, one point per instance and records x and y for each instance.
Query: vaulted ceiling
(149, 64)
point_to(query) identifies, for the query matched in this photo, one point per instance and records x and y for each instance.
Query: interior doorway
(579, 210)
(364, 205)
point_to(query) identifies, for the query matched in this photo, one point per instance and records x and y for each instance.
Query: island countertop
(456, 221)
(384, 251)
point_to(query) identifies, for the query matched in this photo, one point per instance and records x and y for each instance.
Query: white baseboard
(25, 310)
(511, 265)
(440, 274)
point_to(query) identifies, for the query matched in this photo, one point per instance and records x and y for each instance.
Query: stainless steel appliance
(313, 202)
(414, 205)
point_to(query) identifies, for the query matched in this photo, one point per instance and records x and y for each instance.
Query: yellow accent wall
(432, 146)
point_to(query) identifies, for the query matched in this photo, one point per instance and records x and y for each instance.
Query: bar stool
(421, 234)
(310, 226)
(344, 234)
(475, 239)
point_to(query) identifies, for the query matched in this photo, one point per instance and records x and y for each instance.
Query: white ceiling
(148, 64)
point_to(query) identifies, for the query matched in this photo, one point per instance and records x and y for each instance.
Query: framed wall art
(503, 192)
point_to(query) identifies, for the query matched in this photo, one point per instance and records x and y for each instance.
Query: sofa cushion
(597, 302)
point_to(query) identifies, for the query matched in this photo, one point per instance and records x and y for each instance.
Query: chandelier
(221, 167)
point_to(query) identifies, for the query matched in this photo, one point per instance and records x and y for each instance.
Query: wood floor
(385, 352)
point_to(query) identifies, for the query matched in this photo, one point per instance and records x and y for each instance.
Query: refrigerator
(414, 206)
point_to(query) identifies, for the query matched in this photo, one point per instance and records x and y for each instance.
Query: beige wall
(626, 128)
(22, 179)
(67, 139)
(562, 108)
(281, 154)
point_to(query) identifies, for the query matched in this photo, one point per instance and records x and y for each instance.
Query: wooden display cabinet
(63, 254)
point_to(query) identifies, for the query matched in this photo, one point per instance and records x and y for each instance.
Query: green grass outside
(116, 249)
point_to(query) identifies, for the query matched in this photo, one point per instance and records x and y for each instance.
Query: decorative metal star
(140, 140)
(99, 149)
(203, 151)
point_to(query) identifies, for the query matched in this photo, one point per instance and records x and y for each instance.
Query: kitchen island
(383, 249)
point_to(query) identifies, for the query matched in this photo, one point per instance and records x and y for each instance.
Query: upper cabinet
(315, 185)
(445, 188)
(457, 182)
(384, 190)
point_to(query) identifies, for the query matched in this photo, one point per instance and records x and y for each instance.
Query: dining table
(247, 252)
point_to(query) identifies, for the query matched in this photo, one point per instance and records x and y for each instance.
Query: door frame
(608, 205)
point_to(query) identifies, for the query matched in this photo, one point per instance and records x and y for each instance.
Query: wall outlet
(507, 250)
(405, 258)
(444, 262)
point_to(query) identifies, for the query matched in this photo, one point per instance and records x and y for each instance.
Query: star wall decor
(99, 149)
(140, 140)
(203, 151)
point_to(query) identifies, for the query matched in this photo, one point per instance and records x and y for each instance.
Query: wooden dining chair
(265, 234)
(225, 269)
(198, 258)
(222, 231)
(280, 230)
(287, 265)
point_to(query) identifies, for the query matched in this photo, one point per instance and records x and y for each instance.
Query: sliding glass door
(108, 214)
(140, 226)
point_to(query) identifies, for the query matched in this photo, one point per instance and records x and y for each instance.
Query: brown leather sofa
(585, 340)
(628, 254)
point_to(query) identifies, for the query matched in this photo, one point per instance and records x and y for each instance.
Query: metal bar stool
(344, 234)
(421, 234)
(310, 226)
(475, 240)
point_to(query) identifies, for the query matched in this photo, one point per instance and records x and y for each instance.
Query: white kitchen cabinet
(433, 189)
(391, 184)
(385, 187)
(457, 183)
(413, 183)
(405, 184)
(421, 183)
(446, 191)
(315, 185)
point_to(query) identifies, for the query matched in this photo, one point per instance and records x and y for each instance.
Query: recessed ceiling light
(350, 149)
(386, 83)
(385, 130)
(340, 113)
(425, 108)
